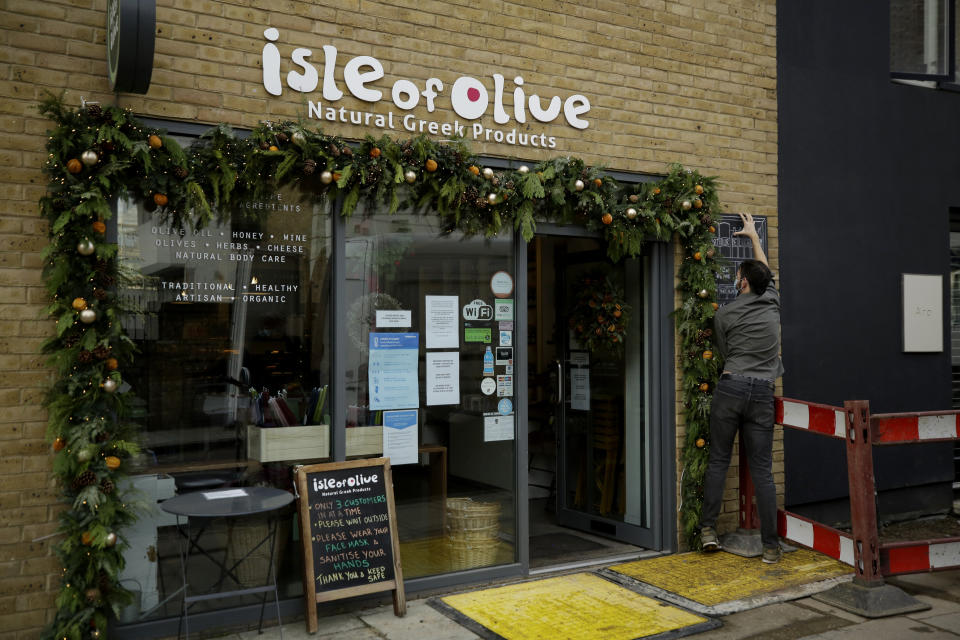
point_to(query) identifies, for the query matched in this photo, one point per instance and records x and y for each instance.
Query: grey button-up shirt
(747, 331)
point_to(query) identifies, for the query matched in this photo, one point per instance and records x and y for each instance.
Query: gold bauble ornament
(89, 157)
(326, 177)
(631, 213)
(488, 173)
(523, 169)
(703, 293)
(110, 539)
(492, 198)
(84, 455)
(86, 247)
(109, 385)
(298, 138)
(410, 176)
(686, 205)
(578, 185)
(88, 316)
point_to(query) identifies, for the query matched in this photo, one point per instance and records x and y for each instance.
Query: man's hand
(749, 227)
(750, 231)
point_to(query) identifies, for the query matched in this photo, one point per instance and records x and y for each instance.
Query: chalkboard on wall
(348, 526)
(734, 249)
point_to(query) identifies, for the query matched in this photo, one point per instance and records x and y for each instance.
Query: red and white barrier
(916, 557)
(816, 536)
(894, 428)
(820, 418)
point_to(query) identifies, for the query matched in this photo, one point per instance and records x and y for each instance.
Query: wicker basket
(243, 536)
(467, 554)
(468, 519)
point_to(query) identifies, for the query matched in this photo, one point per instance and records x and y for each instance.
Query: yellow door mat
(722, 583)
(580, 606)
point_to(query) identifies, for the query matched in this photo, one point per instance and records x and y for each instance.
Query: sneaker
(772, 555)
(708, 539)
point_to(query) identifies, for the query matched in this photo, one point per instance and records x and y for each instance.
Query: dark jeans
(747, 407)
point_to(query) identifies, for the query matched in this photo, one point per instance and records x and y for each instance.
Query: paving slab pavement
(799, 619)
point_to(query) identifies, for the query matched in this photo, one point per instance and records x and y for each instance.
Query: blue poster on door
(393, 375)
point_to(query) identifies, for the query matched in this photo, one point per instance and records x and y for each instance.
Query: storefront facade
(284, 331)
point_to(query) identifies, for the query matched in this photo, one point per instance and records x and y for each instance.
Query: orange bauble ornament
(475, 170)
(375, 152)
(112, 364)
(697, 256)
(715, 306)
(607, 218)
(597, 182)
(698, 189)
(704, 386)
(112, 462)
(74, 165)
(701, 443)
(656, 191)
(431, 165)
(99, 227)
(708, 355)
(160, 199)
(79, 304)
(59, 444)
(274, 147)
(154, 141)
(86, 538)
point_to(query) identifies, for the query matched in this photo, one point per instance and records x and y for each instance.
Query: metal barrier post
(745, 541)
(863, 494)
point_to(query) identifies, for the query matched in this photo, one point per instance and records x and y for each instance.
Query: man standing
(747, 332)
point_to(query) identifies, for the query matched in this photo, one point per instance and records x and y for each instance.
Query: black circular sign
(130, 35)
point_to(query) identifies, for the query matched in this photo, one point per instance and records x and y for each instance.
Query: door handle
(559, 366)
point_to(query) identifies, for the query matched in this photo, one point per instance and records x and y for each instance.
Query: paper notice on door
(580, 389)
(497, 427)
(393, 318)
(400, 436)
(443, 377)
(442, 322)
(392, 371)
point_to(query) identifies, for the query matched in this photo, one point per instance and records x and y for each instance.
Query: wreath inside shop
(98, 153)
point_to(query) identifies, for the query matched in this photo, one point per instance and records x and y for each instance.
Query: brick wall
(690, 81)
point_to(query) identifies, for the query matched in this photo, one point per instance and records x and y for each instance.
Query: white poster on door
(580, 389)
(443, 377)
(443, 322)
(400, 436)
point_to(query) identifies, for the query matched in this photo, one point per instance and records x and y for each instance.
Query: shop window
(922, 40)
(231, 324)
(410, 287)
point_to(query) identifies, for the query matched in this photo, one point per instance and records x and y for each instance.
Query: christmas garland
(97, 154)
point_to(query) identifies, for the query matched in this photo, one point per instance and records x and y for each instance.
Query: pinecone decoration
(584, 174)
(105, 582)
(705, 219)
(282, 137)
(101, 352)
(496, 181)
(309, 166)
(264, 145)
(407, 152)
(94, 110)
(107, 486)
(101, 266)
(71, 341)
(100, 294)
(374, 175)
(471, 194)
(85, 479)
(509, 185)
(107, 280)
(334, 150)
(347, 151)
(84, 357)
(181, 172)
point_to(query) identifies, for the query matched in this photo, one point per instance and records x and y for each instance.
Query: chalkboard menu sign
(348, 526)
(735, 249)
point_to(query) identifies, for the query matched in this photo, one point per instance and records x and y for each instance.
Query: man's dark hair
(757, 274)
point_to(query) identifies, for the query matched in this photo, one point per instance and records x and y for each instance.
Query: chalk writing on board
(734, 250)
(350, 525)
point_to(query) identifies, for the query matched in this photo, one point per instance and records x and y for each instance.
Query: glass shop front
(534, 383)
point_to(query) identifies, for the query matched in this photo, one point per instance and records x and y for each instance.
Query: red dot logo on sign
(469, 98)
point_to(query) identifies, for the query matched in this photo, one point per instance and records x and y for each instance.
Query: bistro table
(206, 506)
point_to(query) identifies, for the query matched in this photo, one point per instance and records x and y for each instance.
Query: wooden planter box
(280, 444)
